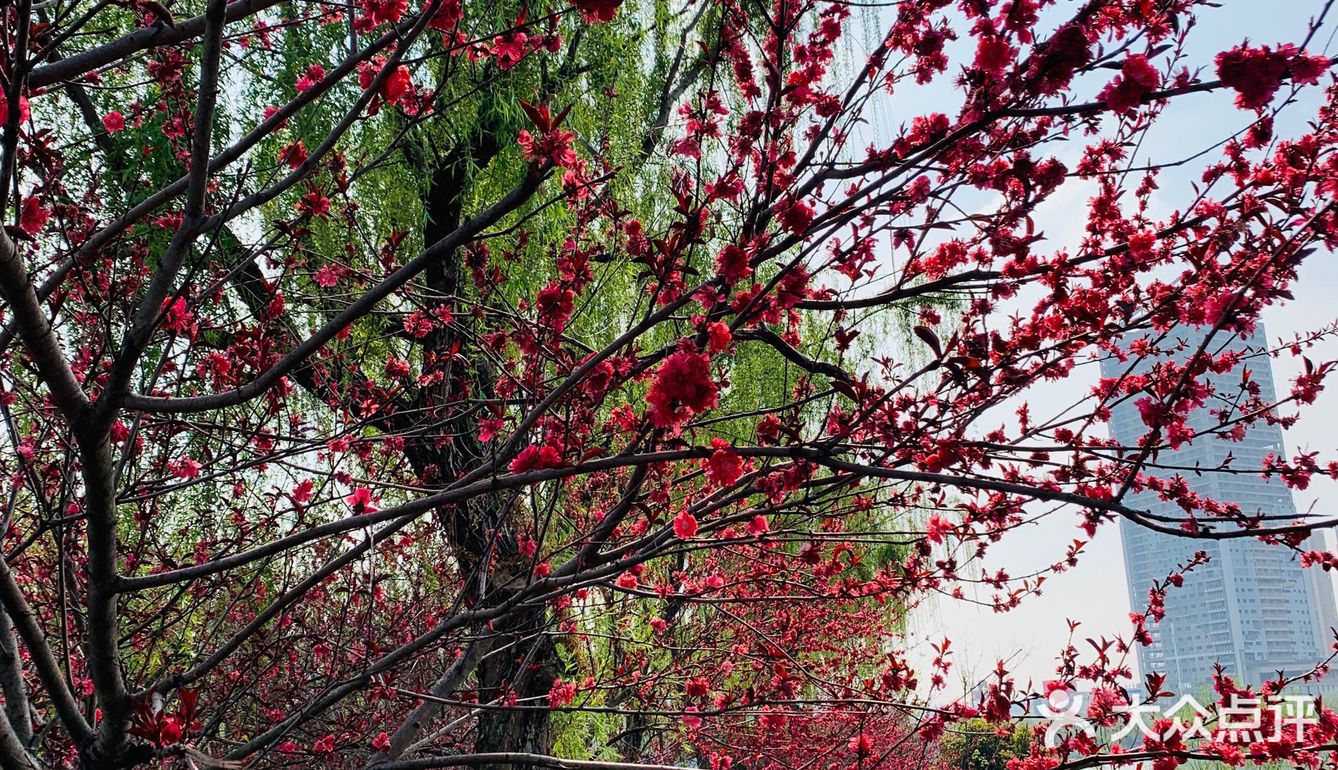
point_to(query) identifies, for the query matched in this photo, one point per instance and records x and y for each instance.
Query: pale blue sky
(1094, 593)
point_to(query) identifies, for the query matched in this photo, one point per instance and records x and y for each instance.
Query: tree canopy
(602, 385)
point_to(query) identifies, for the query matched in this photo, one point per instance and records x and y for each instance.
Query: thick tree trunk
(522, 661)
(522, 664)
(442, 442)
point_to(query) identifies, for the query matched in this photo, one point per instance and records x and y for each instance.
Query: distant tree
(975, 744)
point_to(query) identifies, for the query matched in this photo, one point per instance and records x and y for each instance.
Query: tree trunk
(522, 661)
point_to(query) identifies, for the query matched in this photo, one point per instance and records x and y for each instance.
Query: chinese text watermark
(1241, 720)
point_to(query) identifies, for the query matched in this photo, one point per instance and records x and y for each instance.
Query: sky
(1094, 593)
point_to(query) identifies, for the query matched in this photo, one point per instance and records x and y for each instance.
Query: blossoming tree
(600, 385)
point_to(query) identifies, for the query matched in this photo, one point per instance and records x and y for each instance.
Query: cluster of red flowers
(1137, 79)
(724, 466)
(597, 10)
(536, 457)
(396, 87)
(1256, 73)
(553, 147)
(683, 387)
(163, 727)
(555, 306)
(378, 12)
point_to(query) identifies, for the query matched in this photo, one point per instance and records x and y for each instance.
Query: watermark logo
(1064, 710)
(1242, 720)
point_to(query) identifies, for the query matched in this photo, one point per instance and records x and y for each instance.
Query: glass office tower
(1251, 607)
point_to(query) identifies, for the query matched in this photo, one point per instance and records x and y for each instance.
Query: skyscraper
(1252, 607)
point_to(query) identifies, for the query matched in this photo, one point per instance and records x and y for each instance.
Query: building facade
(1252, 607)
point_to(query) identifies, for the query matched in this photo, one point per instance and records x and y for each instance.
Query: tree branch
(357, 309)
(48, 668)
(140, 40)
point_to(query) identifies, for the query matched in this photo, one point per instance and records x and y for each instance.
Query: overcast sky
(1094, 593)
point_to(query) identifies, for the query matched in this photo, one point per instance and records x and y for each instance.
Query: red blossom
(682, 388)
(536, 457)
(301, 493)
(34, 215)
(555, 147)
(685, 525)
(1137, 79)
(185, 468)
(24, 114)
(361, 500)
(691, 718)
(1058, 59)
(555, 305)
(993, 55)
(796, 216)
(937, 528)
(293, 155)
(398, 86)
(597, 10)
(113, 121)
(1256, 74)
(446, 17)
(732, 264)
(177, 316)
(378, 12)
(561, 693)
(719, 337)
(308, 80)
(724, 466)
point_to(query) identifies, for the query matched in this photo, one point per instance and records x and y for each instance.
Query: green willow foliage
(621, 83)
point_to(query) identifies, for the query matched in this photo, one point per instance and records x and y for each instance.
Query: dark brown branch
(362, 306)
(137, 336)
(44, 661)
(12, 685)
(139, 40)
(774, 341)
